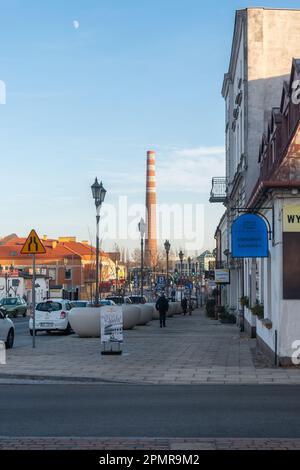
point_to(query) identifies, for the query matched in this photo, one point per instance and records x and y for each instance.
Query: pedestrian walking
(184, 305)
(162, 305)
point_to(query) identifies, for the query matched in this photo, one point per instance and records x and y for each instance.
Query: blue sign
(161, 280)
(249, 237)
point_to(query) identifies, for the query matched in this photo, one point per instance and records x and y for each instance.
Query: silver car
(7, 330)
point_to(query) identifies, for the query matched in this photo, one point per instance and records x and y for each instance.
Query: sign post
(32, 246)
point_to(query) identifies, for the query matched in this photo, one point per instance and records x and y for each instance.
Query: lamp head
(98, 192)
(167, 246)
(142, 227)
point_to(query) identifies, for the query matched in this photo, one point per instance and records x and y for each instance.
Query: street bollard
(2, 353)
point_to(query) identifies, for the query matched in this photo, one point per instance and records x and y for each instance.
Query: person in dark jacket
(162, 305)
(184, 305)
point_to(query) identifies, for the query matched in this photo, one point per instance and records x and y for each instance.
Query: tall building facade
(259, 70)
(151, 235)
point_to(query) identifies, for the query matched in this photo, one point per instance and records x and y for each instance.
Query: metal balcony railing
(219, 189)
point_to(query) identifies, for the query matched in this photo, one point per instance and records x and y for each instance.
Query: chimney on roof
(54, 244)
(45, 237)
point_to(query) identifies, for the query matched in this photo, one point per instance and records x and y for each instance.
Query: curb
(57, 378)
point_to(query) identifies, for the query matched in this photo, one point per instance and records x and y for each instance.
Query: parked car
(107, 302)
(51, 315)
(14, 306)
(137, 299)
(7, 329)
(79, 303)
(119, 299)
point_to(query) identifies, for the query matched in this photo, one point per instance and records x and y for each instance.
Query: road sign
(33, 245)
(161, 280)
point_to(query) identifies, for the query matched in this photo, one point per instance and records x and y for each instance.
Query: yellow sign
(33, 245)
(291, 219)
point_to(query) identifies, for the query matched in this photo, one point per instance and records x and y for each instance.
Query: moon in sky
(76, 24)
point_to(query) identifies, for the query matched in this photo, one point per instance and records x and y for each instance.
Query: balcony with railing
(279, 154)
(219, 190)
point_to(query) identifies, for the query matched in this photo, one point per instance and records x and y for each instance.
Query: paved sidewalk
(191, 350)
(171, 444)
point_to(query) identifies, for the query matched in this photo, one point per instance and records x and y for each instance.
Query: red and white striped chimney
(151, 239)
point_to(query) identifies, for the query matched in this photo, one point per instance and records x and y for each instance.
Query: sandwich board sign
(111, 327)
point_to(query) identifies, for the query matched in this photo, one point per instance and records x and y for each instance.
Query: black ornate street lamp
(167, 246)
(142, 230)
(189, 263)
(99, 193)
(181, 255)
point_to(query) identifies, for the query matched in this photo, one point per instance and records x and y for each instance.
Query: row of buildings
(262, 122)
(67, 269)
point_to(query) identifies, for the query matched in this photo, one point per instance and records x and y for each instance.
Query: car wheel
(68, 330)
(10, 339)
(24, 314)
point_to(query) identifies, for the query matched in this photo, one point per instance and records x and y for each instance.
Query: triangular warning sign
(33, 245)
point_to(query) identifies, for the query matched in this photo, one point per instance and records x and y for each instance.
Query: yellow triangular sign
(33, 245)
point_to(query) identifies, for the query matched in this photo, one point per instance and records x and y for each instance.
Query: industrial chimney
(151, 238)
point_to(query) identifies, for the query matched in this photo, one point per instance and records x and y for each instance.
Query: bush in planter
(220, 310)
(226, 317)
(210, 307)
(245, 301)
(258, 310)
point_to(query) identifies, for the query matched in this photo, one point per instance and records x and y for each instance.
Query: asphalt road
(22, 336)
(150, 411)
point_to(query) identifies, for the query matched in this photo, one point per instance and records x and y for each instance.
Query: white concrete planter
(85, 321)
(146, 314)
(131, 316)
(155, 313)
(178, 308)
(171, 310)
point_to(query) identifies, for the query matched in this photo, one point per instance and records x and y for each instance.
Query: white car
(7, 330)
(51, 315)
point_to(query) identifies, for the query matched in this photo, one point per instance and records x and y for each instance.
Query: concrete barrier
(146, 314)
(85, 321)
(155, 313)
(131, 316)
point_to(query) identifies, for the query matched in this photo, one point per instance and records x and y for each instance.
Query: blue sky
(136, 75)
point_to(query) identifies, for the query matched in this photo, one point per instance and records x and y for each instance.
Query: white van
(51, 315)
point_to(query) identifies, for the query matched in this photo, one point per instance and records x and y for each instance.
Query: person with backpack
(162, 305)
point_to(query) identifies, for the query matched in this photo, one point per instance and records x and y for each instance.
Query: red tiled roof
(69, 249)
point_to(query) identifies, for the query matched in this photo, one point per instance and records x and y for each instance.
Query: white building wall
(284, 314)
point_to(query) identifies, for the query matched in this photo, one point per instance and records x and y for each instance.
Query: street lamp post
(142, 230)
(99, 193)
(167, 246)
(181, 255)
(189, 263)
